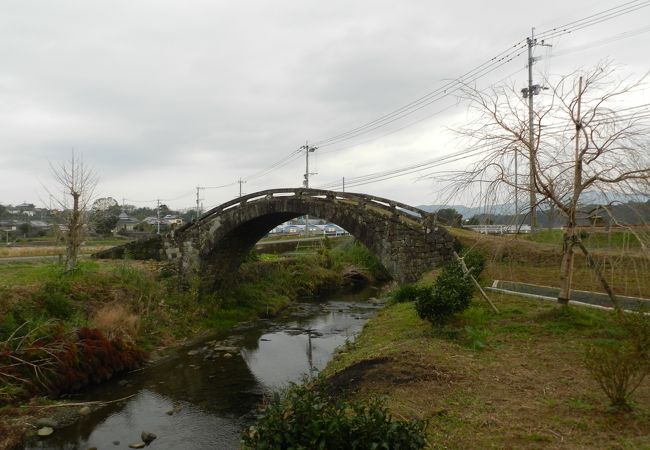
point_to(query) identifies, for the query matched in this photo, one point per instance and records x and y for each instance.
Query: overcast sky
(162, 96)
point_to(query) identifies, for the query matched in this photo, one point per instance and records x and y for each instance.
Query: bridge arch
(407, 240)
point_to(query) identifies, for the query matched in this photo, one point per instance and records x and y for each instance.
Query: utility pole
(158, 215)
(198, 207)
(343, 184)
(529, 92)
(240, 181)
(307, 150)
(516, 193)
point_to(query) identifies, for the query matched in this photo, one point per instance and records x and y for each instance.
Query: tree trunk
(566, 268)
(596, 268)
(570, 237)
(74, 235)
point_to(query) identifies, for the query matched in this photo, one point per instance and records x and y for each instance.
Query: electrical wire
(412, 168)
(447, 108)
(442, 92)
(633, 112)
(614, 38)
(594, 19)
(217, 187)
(482, 70)
(185, 195)
(281, 163)
(471, 76)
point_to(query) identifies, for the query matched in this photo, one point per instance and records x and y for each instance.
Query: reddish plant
(58, 363)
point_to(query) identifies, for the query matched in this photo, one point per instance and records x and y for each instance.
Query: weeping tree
(77, 183)
(586, 139)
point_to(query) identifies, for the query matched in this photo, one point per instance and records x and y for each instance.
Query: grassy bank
(517, 379)
(513, 380)
(140, 302)
(519, 259)
(596, 238)
(124, 306)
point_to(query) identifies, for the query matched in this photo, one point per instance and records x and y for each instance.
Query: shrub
(450, 294)
(620, 366)
(636, 328)
(55, 296)
(619, 370)
(58, 306)
(407, 293)
(306, 417)
(475, 261)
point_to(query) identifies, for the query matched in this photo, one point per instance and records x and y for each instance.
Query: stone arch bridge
(407, 240)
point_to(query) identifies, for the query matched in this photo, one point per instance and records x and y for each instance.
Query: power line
(185, 195)
(281, 163)
(481, 70)
(614, 38)
(408, 125)
(594, 19)
(417, 167)
(452, 86)
(375, 177)
(438, 94)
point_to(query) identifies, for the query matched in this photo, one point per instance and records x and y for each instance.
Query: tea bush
(306, 417)
(450, 294)
(475, 261)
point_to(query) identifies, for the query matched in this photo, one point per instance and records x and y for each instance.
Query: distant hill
(469, 211)
(631, 212)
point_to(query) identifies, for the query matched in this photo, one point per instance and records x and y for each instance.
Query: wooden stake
(467, 272)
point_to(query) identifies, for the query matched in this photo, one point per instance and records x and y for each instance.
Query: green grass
(38, 292)
(353, 253)
(27, 273)
(593, 239)
(506, 380)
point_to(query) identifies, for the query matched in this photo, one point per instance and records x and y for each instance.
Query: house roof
(124, 218)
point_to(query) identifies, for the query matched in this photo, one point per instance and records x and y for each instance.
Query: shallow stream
(202, 397)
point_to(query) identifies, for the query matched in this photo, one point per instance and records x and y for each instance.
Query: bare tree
(77, 182)
(585, 140)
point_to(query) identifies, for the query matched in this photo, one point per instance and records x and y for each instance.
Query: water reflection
(194, 402)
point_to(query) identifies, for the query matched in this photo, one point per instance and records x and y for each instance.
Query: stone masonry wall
(215, 247)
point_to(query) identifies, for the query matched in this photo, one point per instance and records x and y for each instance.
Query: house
(125, 223)
(331, 229)
(151, 220)
(172, 221)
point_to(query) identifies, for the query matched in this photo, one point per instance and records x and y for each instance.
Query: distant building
(329, 229)
(498, 229)
(151, 220)
(125, 222)
(172, 221)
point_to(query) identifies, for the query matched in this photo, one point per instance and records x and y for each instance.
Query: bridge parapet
(392, 207)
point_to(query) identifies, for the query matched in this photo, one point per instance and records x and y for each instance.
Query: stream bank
(138, 302)
(204, 395)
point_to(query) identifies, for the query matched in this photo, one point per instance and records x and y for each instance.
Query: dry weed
(116, 321)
